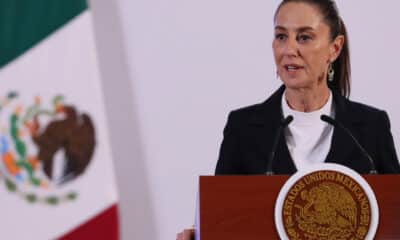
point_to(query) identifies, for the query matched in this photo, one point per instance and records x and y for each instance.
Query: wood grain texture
(242, 207)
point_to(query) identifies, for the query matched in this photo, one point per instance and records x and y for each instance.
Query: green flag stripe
(24, 23)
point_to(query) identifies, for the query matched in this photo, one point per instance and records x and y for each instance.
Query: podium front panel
(242, 207)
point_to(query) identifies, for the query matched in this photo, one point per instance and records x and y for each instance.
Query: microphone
(284, 123)
(335, 123)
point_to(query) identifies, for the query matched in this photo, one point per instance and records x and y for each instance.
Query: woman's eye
(303, 38)
(280, 36)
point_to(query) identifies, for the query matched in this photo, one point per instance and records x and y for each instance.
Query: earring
(331, 73)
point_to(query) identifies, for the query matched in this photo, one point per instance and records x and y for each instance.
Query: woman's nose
(290, 47)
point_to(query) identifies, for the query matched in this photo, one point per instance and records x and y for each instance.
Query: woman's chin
(295, 83)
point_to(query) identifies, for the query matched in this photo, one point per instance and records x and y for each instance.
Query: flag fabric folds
(56, 171)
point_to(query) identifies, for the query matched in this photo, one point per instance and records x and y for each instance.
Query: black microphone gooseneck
(335, 123)
(284, 123)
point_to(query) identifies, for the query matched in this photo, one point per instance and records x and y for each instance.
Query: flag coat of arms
(56, 172)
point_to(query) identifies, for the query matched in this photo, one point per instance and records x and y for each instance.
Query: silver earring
(331, 72)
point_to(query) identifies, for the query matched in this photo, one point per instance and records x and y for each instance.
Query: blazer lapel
(269, 121)
(270, 118)
(342, 144)
(283, 162)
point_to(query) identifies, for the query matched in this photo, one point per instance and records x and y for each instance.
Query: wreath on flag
(42, 149)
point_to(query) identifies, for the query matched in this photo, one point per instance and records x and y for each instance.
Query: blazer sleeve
(387, 157)
(229, 154)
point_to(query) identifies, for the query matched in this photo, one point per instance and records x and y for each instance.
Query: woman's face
(302, 46)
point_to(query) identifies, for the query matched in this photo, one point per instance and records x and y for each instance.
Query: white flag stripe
(64, 63)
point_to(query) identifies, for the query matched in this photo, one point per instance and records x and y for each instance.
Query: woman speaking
(286, 132)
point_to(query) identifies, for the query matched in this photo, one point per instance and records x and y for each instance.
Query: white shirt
(308, 137)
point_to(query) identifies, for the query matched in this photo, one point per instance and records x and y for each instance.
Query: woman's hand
(187, 234)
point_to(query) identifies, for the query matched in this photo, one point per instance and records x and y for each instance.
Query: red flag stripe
(103, 226)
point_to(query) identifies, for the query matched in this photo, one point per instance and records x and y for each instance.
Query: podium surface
(242, 207)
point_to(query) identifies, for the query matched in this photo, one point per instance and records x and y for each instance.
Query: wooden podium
(242, 207)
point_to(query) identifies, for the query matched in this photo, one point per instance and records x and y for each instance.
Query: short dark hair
(342, 67)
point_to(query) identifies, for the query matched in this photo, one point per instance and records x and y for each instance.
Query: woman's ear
(336, 47)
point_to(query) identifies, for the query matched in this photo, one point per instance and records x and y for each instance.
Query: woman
(312, 58)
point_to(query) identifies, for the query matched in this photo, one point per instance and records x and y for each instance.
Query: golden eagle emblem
(326, 205)
(329, 212)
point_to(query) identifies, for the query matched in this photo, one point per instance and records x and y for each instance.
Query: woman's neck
(307, 99)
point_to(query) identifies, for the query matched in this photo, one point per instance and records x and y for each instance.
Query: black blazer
(250, 131)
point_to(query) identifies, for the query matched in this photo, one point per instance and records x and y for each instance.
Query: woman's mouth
(293, 69)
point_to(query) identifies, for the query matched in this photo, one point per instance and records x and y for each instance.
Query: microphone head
(287, 121)
(328, 119)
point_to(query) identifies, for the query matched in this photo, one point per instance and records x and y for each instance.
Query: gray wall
(172, 70)
(136, 206)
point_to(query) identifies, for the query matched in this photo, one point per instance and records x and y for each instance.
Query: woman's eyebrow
(304, 29)
(299, 29)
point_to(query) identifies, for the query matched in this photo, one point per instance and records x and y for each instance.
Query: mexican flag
(56, 171)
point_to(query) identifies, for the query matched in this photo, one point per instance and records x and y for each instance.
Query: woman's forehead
(298, 16)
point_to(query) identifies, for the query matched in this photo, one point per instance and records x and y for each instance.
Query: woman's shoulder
(363, 108)
(266, 110)
(248, 110)
(246, 113)
(365, 112)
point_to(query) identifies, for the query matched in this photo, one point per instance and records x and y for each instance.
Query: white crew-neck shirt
(308, 137)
